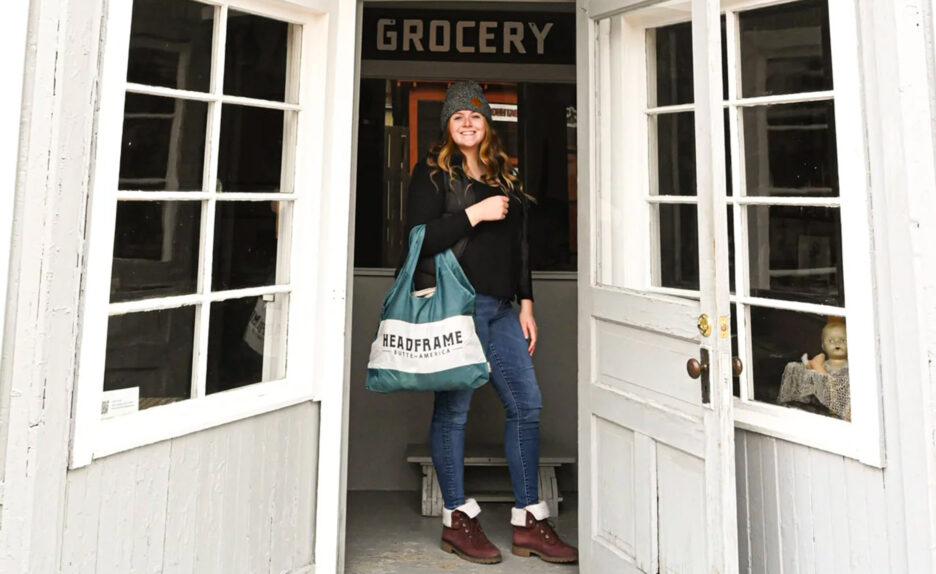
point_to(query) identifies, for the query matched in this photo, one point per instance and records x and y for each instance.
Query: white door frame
(331, 489)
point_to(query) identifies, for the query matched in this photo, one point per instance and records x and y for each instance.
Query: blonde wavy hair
(445, 156)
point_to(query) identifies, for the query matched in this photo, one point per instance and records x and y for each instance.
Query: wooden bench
(485, 455)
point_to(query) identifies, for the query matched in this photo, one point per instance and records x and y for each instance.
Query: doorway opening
(535, 117)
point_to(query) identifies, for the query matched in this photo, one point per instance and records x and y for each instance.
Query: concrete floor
(387, 535)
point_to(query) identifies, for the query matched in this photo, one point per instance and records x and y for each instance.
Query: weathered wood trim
(336, 240)
(59, 95)
(898, 95)
(13, 46)
(586, 66)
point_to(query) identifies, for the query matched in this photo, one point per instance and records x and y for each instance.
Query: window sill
(808, 429)
(174, 420)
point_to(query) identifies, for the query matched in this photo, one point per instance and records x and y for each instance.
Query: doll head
(835, 341)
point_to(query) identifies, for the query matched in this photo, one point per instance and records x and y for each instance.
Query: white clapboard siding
(802, 510)
(238, 498)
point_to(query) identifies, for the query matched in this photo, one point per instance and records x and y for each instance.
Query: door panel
(656, 472)
(681, 499)
(614, 485)
(666, 358)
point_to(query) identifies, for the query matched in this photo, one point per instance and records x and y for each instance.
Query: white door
(656, 447)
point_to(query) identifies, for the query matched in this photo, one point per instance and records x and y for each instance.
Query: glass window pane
(790, 150)
(251, 152)
(155, 249)
(785, 366)
(785, 49)
(675, 153)
(678, 232)
(152, 352)
(246, 342)
(673, 65)
(245, 244)
(163, 144)
(255, 57)
(170, 44)
(795, 253)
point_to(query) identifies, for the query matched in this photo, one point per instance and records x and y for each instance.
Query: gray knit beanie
(464, 96)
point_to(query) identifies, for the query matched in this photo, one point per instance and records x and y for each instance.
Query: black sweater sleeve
(525, 283)
(426, 205)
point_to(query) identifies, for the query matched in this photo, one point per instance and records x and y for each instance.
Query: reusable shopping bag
(427, 343)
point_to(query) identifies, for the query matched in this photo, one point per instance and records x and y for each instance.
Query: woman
(465, 189)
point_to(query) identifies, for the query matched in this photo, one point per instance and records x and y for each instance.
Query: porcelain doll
(824, 378)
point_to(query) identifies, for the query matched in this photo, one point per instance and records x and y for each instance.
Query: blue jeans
(513, 378)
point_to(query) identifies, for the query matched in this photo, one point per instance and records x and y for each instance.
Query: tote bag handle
(445, 264)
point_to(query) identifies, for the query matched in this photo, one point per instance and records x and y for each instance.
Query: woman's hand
(528, 324)
(491, 209)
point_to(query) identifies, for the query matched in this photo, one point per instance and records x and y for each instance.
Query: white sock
(540, 511)
(471, 508)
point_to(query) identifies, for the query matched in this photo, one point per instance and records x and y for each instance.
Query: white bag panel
(426, 347)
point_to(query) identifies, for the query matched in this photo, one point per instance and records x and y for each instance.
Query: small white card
(120, 402)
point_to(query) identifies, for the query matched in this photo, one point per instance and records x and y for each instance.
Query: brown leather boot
(537, 536)
(462, 535)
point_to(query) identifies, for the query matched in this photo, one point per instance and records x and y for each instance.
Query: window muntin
(200, 278)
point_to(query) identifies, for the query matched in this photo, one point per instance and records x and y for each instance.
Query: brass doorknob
(736, 366)
(695, 368)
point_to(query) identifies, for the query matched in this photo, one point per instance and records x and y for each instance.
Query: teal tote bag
(427, 343)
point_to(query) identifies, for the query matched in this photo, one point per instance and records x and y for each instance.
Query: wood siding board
(788, 492)
(839, 503)
(115, 546)
(234, 529)
(150, 493)
(805, 540)
(182, 505)
(827, 555)
(880, 548)
(282, 501)
(756, 503)
(305, 523)
(770, 492)
(82, 513)
(259, 500)
(209, 543)
(744, 527)
(856, 487)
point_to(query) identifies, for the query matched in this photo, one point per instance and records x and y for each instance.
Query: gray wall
(382, 425)
(239, 498)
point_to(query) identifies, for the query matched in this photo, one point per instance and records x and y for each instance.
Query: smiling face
(467, 129)
(834, 341)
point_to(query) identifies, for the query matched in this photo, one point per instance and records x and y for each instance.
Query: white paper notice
(120, 402)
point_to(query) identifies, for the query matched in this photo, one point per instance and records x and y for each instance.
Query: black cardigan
(496, 259)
